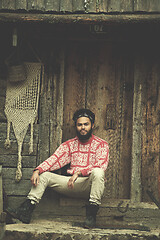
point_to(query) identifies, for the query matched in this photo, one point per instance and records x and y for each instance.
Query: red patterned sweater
(81, 156)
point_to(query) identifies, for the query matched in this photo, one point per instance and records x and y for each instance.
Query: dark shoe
(91, 212)
(24, 212)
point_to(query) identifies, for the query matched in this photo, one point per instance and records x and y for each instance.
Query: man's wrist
(78, 173)
(37, 170)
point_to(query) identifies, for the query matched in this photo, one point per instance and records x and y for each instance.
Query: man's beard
(84, 137)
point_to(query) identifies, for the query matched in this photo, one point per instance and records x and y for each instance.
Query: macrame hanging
(21, 106)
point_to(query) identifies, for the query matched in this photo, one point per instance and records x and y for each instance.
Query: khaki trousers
(91, 187)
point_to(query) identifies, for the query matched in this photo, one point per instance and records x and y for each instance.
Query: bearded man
(87, 156)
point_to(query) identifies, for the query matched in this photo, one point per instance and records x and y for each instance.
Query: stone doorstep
(56, 230)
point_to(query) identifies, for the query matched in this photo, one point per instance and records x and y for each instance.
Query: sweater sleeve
(59, 159)
(102, 159)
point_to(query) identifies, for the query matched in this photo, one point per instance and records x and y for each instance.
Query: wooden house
(103, 55)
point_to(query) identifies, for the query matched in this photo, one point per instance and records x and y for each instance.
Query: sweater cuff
(84, 172)
(38, 168)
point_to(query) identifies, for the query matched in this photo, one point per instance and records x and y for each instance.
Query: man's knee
(98, 173)
(45, 177)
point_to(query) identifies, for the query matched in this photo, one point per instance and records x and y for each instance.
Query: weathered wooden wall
(98, 72)
(74, 6)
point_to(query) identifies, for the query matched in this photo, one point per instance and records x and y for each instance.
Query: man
(88, 158)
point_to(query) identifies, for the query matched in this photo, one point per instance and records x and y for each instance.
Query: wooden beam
(137, 134)
(56, 93)
(79, 18)
(1, 191)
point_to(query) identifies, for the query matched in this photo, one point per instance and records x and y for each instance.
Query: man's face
(84, 128)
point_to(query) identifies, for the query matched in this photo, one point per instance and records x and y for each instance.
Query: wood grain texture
(74, 6)
(75, 85)
(2, 105)
(11, 161)
(102, 6)
(78, 5)
(17, 189)
(147, 5)
(136, 188)
(120, 6)
(1, 191)
(43, 146)
(151, 131)
(92, 6)
(7, 4)
(65, 6)
(124, 103)
(51, 5)
(21, 4)
(36, 5)
(57, 94)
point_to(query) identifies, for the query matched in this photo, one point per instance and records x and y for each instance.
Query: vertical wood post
(56, 112)
(137, 136)
(2, 214)
(1, 191)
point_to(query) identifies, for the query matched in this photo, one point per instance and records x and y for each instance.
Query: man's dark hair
(83, 112)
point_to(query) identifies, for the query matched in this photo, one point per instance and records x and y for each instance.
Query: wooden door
(98, 75)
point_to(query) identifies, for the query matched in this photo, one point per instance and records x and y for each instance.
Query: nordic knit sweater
(82, 157)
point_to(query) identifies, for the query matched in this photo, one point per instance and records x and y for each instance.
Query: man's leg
(97, 188)
(59, 184)
(83, 187)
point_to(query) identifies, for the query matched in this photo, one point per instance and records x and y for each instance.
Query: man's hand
(73, 179)
(35, 178)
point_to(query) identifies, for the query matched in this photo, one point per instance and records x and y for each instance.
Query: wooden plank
(57, 92)
(13, 150)
(3, 86)
(21, 4)
(147, 6)
(120, 6)
(151, 131)
(44, 122)
(79, 18)
(92, 6)
(2, 114)
(3, 131)
(51, 5)
(65, 6)
(124, 71)
(9, 173)
(36, 5)
(7, 4)
(1, 191)
(11, 161)
(75, 82)
(102, 5)
(78, 5)
(13, 188)
(136, 189)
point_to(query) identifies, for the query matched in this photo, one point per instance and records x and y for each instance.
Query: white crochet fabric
(21, 108)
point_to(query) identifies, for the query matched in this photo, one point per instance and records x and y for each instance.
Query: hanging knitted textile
(21, 107)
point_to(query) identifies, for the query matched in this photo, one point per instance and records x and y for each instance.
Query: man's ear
(92, 125)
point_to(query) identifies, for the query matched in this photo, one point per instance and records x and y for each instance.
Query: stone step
(58, 230)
